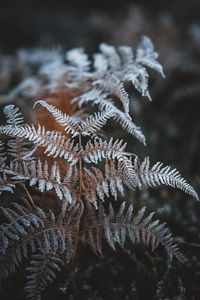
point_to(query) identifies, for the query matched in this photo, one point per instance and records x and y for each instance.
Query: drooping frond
(42, 269)
(116, 227)
(146, 55)
(158, 175)
(29, 230)
(123, 118)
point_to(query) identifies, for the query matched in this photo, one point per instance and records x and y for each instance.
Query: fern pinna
(80, 168)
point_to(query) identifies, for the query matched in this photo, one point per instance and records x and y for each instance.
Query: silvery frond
(13, 115)
(71, 124)
(97, 97)
(115, 227)
(41, 271)
(78, 63)
(95, 122)
(158, 175)
(146, 55)
(55, 143)
(29, 230)
(45, 176)
(99, 149)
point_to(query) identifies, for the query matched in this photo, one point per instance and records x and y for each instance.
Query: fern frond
(30, 230)
(36, 172)
(94, 153)
(56, 145)
(42, 269)
(4, 184)
(2, 155)
(79, 63)
(146, 55)
(112, 56)
(100, 98)
(139, 78)
(130, 127)
(71, 124)
(95, 122)
(127, 56)
(158, 175)
(14, 117)
(139, 229)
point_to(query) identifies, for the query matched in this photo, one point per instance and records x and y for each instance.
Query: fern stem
(29, 196)
(79, 200)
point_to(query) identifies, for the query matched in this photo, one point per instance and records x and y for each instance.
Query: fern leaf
(30, 230)
(13, 115)
(42, 271)
(112, 56)
(146, 55)
(95, 122)
(79, 62)
(53, 141)
(4, 184)
(98, 97)
(158, 175)
(139, 229)
(71, 124)
(36, 172)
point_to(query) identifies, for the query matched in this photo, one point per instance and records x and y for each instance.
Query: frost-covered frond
(17, 148)
(113, 59)
(97, 97)
(14, 117)
(124, 67)
(96, 186)
(117, 226)
(47, 177)
(139, 78)
(121, 93)
(79, 62)
(2, 155)
(146, 55)
(55, 143)
(5, 185)
(113, 152)
(130, 127)
(99, 149)
(41, 270)
(71, 124)
(30, 230)
(158, 175)
(95, 122)
(115, 66)
(127, 55)
(76, 126)
(100, 63)
(20, 149)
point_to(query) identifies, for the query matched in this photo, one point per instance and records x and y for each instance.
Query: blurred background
(48, 22)
(171, 124)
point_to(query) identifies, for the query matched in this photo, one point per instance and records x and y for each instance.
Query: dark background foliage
(171, 123)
